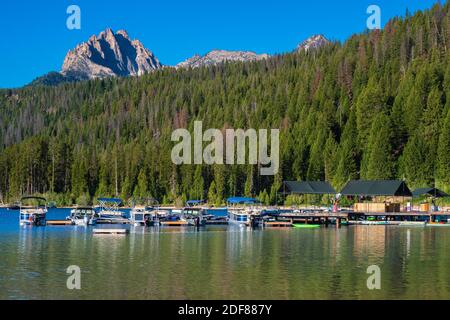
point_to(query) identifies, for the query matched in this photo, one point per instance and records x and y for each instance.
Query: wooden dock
(59, 223)
(277, 224)
(401, 214)
(111, 231)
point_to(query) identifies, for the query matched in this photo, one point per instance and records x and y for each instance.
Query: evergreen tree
(380, 165)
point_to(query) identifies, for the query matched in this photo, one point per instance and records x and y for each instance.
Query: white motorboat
(33, 214)
(83, 216)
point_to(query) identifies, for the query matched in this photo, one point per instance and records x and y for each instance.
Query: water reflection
(225, 263)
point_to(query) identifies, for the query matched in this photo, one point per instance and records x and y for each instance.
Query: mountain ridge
(110, 54)
(216, 56)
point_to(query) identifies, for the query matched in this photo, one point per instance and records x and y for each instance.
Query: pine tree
(412, 162)
(348, 155)
(198, 187)
(380, 165)
(369, 104)
(141, 189)
(329, 155)
(212, 193)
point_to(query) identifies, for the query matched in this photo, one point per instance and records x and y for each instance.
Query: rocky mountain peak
(314, 42)
(109, 54)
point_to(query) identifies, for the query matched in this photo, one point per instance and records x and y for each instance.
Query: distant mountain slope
(51, 79)
(219, 56)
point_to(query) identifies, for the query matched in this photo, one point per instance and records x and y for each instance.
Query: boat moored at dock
(194, 216)
(34, 215)
(173, 220)
(143, 216)
(83, 216)
(240, 210)
(109, 211)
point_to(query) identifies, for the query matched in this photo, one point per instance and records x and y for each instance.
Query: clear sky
(35, 38)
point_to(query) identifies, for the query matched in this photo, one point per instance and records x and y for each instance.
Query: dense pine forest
(374, 107)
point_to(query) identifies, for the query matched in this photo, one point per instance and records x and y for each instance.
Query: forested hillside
(374, 107)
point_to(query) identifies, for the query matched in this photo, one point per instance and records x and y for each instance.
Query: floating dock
(111, 231)
(59, 223)
(277, 224)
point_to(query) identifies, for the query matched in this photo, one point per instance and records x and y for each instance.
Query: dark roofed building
(376, 188)
(307, 187)
(434, 192)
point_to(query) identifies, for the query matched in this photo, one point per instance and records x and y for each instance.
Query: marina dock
(277, 224)
(59, 222)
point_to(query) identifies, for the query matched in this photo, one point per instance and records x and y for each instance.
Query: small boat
(109, 211)
(242, 216)
(306, 226)
(173, 220)
(34, 215)
(143, 216)
(239, 217)
(215, 220)
(160, 214)
(193, 216)
(83, 216)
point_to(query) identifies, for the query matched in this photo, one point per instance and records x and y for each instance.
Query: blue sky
(36, 39)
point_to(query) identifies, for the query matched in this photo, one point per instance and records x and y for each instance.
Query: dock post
(338, 222)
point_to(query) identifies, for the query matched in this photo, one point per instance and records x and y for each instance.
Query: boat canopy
(434, 192)
(33, 198)
(110, 200)
(191, 203)
(241, 200)
(307, 187)
(376, 188)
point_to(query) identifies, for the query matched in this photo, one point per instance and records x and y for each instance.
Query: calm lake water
(223, 262)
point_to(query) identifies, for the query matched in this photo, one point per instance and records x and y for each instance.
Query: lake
(223, 262)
